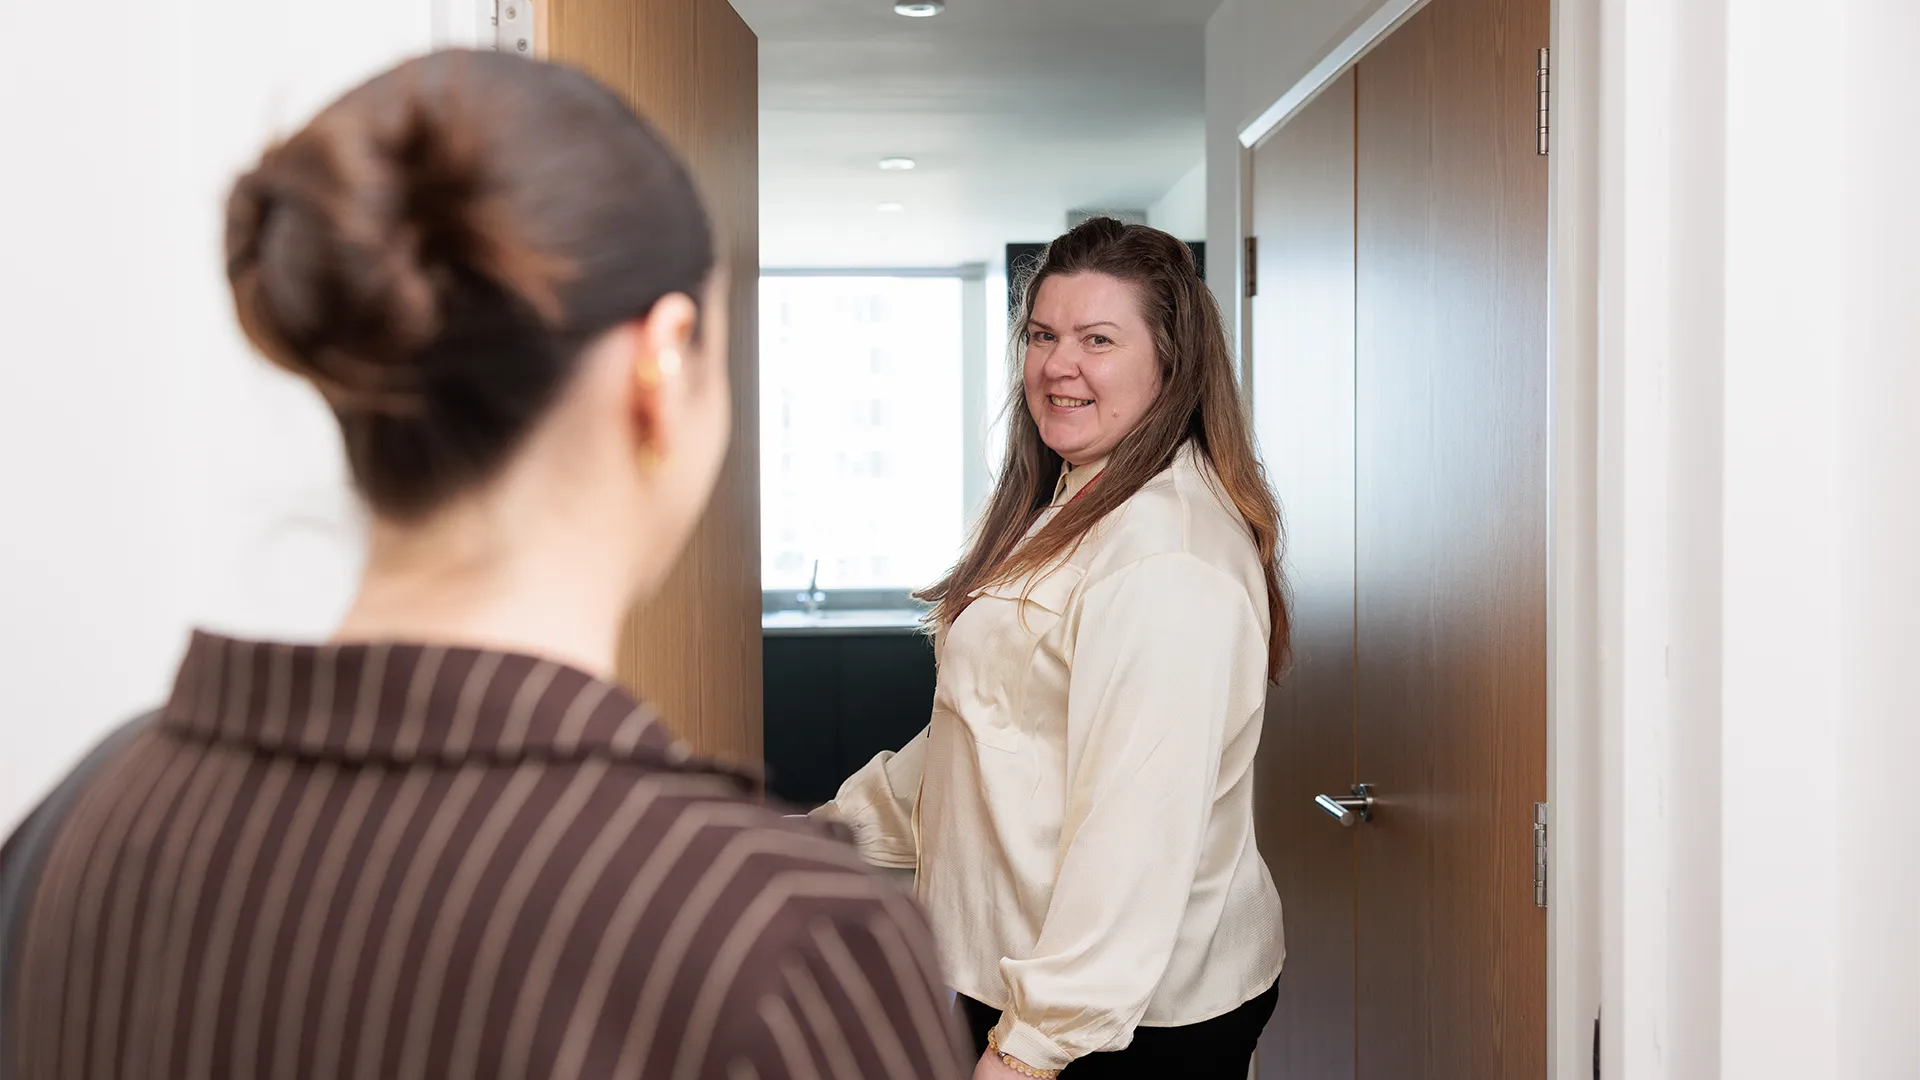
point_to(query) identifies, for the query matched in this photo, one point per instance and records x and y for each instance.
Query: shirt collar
(1074, 479)
(401, 703)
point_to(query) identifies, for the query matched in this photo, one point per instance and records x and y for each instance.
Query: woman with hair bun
(444, 843)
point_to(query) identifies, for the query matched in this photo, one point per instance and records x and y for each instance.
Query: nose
(1063, 362)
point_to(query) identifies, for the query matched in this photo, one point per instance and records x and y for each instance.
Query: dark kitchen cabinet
(833, 701)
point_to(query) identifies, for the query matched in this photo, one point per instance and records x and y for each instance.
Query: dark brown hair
(1199, 403)
(434, 249)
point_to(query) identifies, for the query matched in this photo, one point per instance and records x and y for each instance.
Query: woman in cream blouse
(1080, 807)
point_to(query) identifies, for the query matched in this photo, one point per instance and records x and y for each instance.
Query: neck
(455, 582)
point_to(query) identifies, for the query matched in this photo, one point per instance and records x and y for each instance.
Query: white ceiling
(1017, 111)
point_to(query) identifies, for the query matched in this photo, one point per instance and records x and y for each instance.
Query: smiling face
(1091, 373)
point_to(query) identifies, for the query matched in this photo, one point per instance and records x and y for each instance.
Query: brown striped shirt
(408, 861)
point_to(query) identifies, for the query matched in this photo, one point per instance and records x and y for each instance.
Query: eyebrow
(1081, 329)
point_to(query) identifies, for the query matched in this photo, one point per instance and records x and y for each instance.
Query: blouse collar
(1074, 479)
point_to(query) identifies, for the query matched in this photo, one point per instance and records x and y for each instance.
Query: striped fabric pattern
(409, 861)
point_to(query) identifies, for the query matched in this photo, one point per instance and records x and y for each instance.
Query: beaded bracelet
(1014, 1063)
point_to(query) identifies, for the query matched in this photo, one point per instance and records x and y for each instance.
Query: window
(863, 437)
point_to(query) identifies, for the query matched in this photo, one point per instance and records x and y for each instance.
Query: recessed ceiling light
(890, 207)
(920, 9)
(897, 164)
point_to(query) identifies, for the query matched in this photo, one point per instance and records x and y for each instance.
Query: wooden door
(692, 67)
(1448, 464)
(1450, 543)
(1303, 320)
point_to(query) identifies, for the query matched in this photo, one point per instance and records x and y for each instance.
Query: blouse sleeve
(1166, 650)
(876, 805)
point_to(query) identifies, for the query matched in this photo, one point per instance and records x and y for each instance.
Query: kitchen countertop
(843, 623)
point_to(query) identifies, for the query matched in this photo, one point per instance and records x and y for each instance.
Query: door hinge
(514, 28)
(1540, 854)
(1253, 266)
(1543, 81)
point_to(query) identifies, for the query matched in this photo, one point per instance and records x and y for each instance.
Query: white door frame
(1575, 739)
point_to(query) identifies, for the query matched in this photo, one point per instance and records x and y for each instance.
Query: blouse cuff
(874, 849)
(1026, 1043)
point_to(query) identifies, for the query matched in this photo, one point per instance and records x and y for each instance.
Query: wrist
(1015, 1064)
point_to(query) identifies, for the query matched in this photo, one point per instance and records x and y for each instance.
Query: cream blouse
(1080, 807)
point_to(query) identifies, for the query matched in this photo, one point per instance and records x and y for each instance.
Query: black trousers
(1216, 1049)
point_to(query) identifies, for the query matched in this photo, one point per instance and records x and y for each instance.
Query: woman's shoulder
(1183, 511)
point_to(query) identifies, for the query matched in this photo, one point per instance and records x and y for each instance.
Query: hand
(991, 1067)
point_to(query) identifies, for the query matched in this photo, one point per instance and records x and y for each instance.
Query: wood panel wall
(692, 68)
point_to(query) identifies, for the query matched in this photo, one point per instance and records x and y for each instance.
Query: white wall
(1576, 743)
(155, 475)
(1879, 699)
(1759, 514)
(1182, 211)
(1661, 296)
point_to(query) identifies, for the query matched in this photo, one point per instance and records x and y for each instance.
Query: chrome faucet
(812, 598)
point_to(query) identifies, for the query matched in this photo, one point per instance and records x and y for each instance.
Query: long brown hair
(1199, 402)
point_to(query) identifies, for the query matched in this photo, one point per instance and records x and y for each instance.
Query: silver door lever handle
(1348, 809)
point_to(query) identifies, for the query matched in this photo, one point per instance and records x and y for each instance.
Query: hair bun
(346, 244)
(439, 246)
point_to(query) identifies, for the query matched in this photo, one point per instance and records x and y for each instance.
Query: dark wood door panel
(1450, 545)
(1303, 409)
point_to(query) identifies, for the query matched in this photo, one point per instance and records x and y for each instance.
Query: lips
(1067, 403)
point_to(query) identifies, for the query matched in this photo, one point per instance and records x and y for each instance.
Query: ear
(658, 352)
